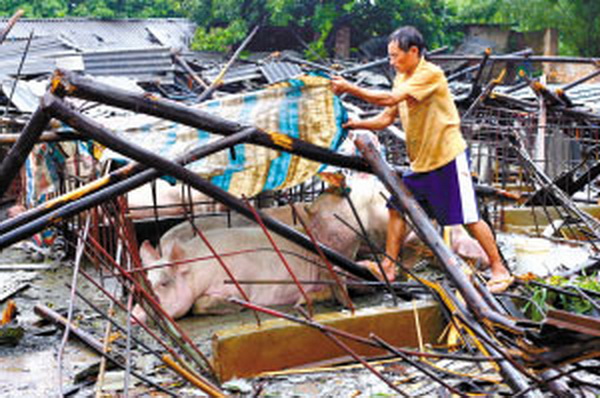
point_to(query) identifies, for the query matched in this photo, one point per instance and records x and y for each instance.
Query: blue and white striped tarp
(303, 108)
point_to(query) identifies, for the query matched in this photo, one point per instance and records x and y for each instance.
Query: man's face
(403, 61)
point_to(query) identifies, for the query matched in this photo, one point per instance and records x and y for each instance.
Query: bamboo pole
(9, 25)
(427, 232)
(515, 58)
(65, 82)
(186, 67)
(9, 138)
(449, 260)
(108, 187)
(93, 130)
(219, 79)
(475, 86)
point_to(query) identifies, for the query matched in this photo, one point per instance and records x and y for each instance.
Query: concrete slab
(248, 350)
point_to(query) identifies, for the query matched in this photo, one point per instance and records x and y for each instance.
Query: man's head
(405, 47)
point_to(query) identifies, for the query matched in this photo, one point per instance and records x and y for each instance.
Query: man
(440, 178)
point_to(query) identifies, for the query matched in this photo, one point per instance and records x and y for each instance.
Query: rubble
(524, 343)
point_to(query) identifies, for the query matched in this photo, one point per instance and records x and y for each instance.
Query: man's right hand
(351, 124)
(339, 85)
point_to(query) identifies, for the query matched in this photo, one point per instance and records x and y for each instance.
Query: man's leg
(396, 233)
(500, 275)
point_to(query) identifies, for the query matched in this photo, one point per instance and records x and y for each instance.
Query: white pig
(248, 253)
(249, 256)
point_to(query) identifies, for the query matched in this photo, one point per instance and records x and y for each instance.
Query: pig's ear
(177, 252)
(337, 180)
(148, 253)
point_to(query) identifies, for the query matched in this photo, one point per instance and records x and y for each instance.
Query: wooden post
(427, 232)
(20, 150)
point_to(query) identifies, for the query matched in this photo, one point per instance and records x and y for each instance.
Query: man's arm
(379, 122)
(375, 97)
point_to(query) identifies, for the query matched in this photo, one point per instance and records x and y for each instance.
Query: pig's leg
(214, 305)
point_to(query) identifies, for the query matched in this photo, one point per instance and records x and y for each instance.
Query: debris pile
(528, 342)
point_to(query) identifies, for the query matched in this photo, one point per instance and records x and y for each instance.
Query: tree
(578, 21)
(224, 22)
(94, 8)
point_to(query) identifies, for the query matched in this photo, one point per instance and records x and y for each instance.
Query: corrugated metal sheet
(94, 34)
(39, 59)
(278, 71)
(139, 64)
(26, 96)
(584, 94)
(234, 74)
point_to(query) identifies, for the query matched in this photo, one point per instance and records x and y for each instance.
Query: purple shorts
(447, 193)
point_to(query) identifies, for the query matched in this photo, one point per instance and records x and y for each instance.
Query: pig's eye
(165, 283)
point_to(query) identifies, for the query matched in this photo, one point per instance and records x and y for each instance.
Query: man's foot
(388, 267)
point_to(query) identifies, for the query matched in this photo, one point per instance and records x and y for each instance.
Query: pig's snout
(138, 315)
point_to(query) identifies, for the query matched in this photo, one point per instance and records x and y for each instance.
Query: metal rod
(279, 254)
(360, 339)
(416, 364)
(332, 272)
(112, 321)
(371, 246)
(362, 361)
(17, 77)
(143, 325)
(221, 262)
(174, 330)
(78, 257)
(91, 341)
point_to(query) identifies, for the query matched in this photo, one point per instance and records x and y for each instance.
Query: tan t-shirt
(430, 118)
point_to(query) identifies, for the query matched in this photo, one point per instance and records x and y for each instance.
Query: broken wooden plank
(278, 344)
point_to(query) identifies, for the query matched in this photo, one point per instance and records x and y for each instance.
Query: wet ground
(31, 368)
